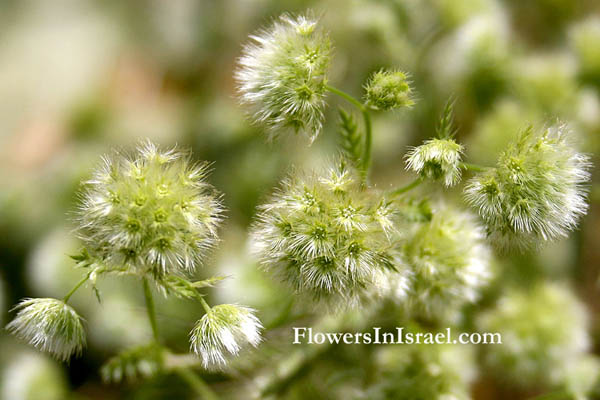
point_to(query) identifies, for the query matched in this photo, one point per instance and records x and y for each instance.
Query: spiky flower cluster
(283, 75)
(449, 260)
(325, 235)
(50, 325)
(433, 372)
(153, 212)
(437, 159)
(543, 335)
(536, 192)
(387, 90)
(225, 328)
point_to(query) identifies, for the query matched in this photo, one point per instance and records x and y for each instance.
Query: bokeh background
(78, 78)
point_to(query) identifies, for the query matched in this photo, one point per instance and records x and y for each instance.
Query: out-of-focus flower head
(50, 325)
(153, 212)
(387, 90)
(537, 190)
(326, 235)
(544, 335)
(436, 371)
(585, 37)
(450, 262)
(224, 329)
(282, 75)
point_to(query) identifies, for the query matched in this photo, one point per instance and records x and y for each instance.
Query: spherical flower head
(450, 262)
(151, 212)
(387, 90)
(544, 335)
(224, 330)
(437, 159)
(50, 325)
(282, 75)
(326, 236)
(537, 191)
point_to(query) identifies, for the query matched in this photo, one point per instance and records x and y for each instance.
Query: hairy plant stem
(150, 309)
(366, 156)
(77, 286)
(406, 188)
(196, 383)
(472, 167)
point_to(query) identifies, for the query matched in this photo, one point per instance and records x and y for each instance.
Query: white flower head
(536, 192)
(437, 159)
(226, 328)
(152, 211)
(450, 261)
(282, 75)
(326, 236)
(50, 325)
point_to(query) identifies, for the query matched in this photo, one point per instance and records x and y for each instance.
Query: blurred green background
(78, 78)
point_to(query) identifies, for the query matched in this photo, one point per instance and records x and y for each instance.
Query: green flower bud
(326, 236)
(224, 329)
(387, 90)
(154, 212)
(536, 192)
(544, 335)
(50, 325)
(437, 159)
(450, 262)
(282, 75)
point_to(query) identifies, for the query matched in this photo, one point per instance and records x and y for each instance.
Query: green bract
(326, 236)
(153, 212)
(283, 75)
(387, 90)
(536, 192)
(49, 325)
(224, 329)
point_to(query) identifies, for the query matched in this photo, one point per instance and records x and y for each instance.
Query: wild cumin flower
(544, 335)
(437, 159)
(326, 236)
(387, 90)
(449, 260)
(153, 212)
(50, 325)
(537, 190)
(224, 329)
(282, 75)
(433, 372)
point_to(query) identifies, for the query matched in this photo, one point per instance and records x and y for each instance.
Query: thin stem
(366, 156)
(196, 383)
(77, 286)
(406, 188)
(150, 309)
(472, 167)
(204, 304)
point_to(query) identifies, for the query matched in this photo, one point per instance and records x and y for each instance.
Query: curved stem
(150, 309)
(366, 156)
(204, 304)
(196, 383)
(77, 286)
(472, 167)
(406, 188)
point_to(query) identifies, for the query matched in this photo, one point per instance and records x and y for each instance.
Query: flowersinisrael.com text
(400, 336)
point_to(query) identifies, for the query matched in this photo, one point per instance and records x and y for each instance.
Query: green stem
(204, 304)
(406, 188)
(197, 383)
(472, 167)
(366, 156)
(77, 286)
(150, 309)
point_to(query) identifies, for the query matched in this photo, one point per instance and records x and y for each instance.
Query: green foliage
(351, 138)
(134, 364)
